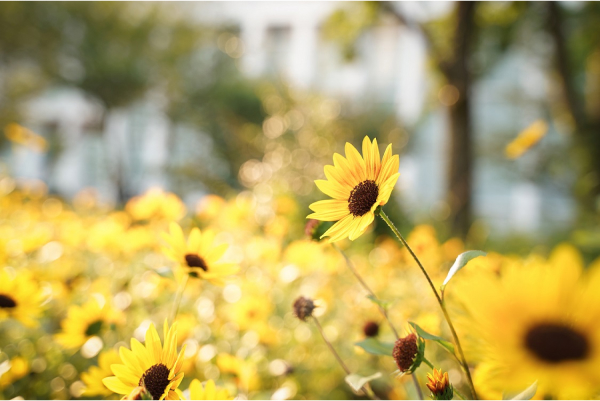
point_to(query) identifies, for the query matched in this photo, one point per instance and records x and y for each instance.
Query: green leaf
(422, 333)
(526, 394)
(460, 262)
(383, 304)
(376, 347)
(357, 381)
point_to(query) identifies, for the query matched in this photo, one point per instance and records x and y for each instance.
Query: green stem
(463, 363)
(427, 362)
(366, 389)
(458, 393)
(417, 386)
(367, 288)
(178, 296)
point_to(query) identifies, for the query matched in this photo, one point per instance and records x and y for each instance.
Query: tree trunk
(587, 130)
(460, 169)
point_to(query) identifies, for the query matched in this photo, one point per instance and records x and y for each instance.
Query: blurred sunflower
(151, 365)
(535, 321)
(207, 392)
(84, 322)
(20, 298)
(198, 256)
(93, 377)
(358, 186)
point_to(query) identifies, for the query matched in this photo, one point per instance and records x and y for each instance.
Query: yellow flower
(20, 298)
(198, 256)
(207, 392)
(150, 365)
(439, 385)
(245, 371)
(526, 139)
(18, 367)
(84, 322)
(95, 374)
(358, 186)
(156, 204)
(534, 321)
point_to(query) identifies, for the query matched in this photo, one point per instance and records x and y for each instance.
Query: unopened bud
(439, 385)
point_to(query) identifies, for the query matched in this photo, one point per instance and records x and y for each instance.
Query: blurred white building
(284, 39)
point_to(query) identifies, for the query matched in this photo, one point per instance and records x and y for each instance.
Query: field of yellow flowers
(155, 301)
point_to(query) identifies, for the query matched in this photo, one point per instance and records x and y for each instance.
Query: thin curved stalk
(463, 361)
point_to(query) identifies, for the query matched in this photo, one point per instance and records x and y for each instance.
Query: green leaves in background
(422, 333)
(460, 262)
(357, 381)
(376, 347)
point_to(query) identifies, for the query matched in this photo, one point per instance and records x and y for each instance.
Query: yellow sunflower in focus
(86, 321)
(533, 321)
(95, 374)
(150, 366)
(207, 392)
(358, 186)
(198, 256)
(20, 298)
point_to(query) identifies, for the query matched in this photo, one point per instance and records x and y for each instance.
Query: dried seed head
(408, 353)
(303, 308)
(371, 329)
(310, 229)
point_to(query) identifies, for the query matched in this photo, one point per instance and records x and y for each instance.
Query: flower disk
(358, 185)
(405, 352)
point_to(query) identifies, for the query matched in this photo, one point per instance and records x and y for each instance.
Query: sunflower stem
(427, 362)
(458, 393)
(178, 296)
(366, 389)
(463, 361)
(367, 288)
(417, 386)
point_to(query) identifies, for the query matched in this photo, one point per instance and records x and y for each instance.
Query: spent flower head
(409, 352)
(303, 308)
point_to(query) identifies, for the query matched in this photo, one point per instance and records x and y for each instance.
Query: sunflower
(87, 321)
(20, 298)
(151, 365)
(534, 320)
(198, 256)
(358, 186)
(207, 392)
(95, 374)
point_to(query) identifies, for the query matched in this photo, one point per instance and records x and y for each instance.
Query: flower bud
(408, 353)
(303, 308)
(371, 329)
(439, 385)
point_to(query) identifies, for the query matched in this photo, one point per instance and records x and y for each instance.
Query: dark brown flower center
(556, 343)
(94, 328)
(156, 380)
(7, 302)
(194, 260)
(363, 197)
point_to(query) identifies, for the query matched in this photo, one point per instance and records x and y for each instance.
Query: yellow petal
(368, 156)
(117, 386)
(356, 161)
(333, 189)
